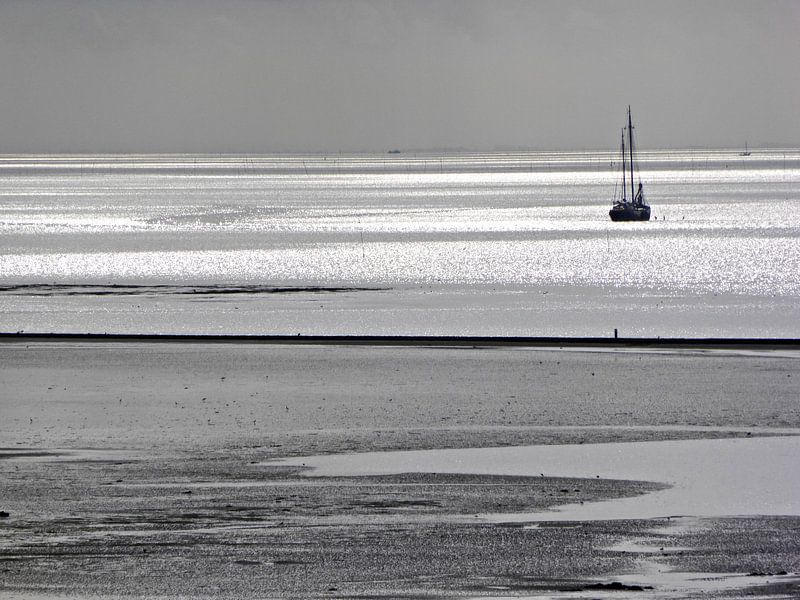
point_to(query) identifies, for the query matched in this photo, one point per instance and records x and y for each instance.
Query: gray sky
(274, 75)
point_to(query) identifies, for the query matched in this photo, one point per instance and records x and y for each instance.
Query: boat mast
(624, 177)
(630, 149)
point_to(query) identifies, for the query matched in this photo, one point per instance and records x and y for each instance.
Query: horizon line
(394, 152)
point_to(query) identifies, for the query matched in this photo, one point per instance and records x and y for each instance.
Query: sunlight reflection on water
(725, 265)
(722, 224)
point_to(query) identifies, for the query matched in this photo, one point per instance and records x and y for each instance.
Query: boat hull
(629, 212)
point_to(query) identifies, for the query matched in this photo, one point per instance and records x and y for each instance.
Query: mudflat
(148, 470)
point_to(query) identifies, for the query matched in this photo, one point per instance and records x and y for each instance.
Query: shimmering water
(711, 478)
(492, 243)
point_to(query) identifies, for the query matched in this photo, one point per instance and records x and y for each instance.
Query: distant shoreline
(422, 341)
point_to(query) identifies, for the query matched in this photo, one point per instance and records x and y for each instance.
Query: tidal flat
(154, 470)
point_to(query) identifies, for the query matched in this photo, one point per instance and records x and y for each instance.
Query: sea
(400, 243)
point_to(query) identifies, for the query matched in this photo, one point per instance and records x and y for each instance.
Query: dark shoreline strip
(452, 341)
(116, 289)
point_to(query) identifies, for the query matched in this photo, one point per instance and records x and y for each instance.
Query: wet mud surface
(190, 525)
(138, 472)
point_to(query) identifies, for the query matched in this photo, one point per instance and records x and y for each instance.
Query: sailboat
(746, 151)
(623, 209)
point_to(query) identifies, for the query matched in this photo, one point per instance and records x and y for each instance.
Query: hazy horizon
(273, 76)
(407, 152)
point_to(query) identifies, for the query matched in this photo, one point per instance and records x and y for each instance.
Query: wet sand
(137, 469)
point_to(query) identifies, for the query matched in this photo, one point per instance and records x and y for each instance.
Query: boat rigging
(635, 209)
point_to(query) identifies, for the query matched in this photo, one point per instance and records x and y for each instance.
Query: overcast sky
(330, 75)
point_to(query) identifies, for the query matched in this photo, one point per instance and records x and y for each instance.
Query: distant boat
(635, 209)
(746, 151)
